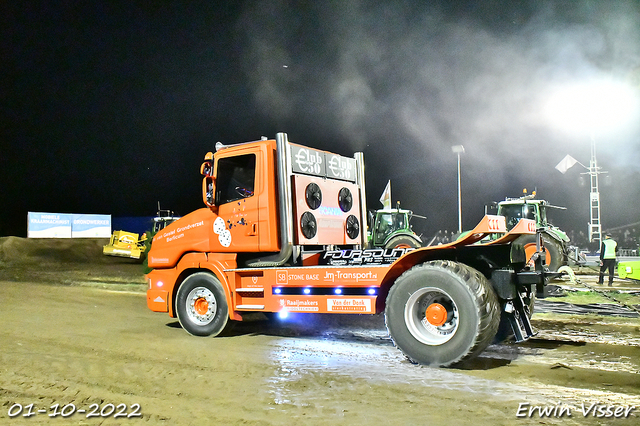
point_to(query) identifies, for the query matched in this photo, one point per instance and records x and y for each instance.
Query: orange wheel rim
(201, 306)
(436, 314)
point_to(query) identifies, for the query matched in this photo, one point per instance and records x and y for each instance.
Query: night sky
(109, 108)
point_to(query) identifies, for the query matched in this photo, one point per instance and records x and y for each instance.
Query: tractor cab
(513, 211)
(162, 219)
(555, 241)
(391, 228)
(525, 207)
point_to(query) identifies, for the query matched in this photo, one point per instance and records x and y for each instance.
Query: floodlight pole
(595, 228)
(459, 149)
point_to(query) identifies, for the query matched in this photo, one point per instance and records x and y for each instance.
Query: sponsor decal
(322, 164)
(349, 305)
(127, 239)
(178, 233)
(343, 276)
(308, 161)
(341, 167)
(298, 305)
(282, 277)
(191, 226)
(377, 256)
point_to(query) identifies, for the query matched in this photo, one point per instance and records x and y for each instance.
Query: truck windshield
(235, 178)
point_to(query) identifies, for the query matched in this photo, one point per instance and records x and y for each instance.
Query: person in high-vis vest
(608, 251)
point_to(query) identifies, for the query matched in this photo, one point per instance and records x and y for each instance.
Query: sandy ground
(74, 329)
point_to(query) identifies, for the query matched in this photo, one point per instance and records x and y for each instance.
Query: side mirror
(206, 169)
(208, 191)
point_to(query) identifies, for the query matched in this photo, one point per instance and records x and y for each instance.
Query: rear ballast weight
(284, 230)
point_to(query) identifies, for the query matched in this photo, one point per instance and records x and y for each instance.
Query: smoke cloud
(404, 81)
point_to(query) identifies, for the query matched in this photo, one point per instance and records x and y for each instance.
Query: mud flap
(518, 314)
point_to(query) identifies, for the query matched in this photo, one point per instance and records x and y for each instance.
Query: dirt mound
(52, 250)
(66, 261)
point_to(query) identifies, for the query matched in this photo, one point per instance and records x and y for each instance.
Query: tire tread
(487, 305)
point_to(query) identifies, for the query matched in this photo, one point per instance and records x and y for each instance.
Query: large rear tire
(442, 313)
(402, 241)
(201, 305)
(554, 255)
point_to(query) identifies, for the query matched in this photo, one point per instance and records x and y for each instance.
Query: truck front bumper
(158, 293)
(158, 300)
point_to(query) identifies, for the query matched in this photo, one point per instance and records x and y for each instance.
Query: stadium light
(595, 107)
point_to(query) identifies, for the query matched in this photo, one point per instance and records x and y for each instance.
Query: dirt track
(67, 338)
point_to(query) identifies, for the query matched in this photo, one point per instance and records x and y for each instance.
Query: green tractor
(555, 241)
(391, 228)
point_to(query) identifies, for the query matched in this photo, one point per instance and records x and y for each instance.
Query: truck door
(237, 200)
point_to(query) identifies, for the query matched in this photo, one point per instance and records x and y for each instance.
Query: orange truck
(284, 231)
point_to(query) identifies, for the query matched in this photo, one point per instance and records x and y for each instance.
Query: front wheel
(201, 305)
(442, 313)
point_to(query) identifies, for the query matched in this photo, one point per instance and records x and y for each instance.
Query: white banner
(67, 225)
(91, 226)
(48, 225)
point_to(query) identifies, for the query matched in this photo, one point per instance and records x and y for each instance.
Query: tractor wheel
(201, 305)
(553, 250)
(402, 241)
(442, 313)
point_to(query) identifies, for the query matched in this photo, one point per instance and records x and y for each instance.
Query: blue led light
(307, 290)
(371, 291)
(283, 314)
(338, 291)
(277, 290)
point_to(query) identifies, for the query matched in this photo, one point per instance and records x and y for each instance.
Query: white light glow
(593, 106)
(283, 314)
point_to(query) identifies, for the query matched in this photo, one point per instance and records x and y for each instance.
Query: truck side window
(235, 178)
